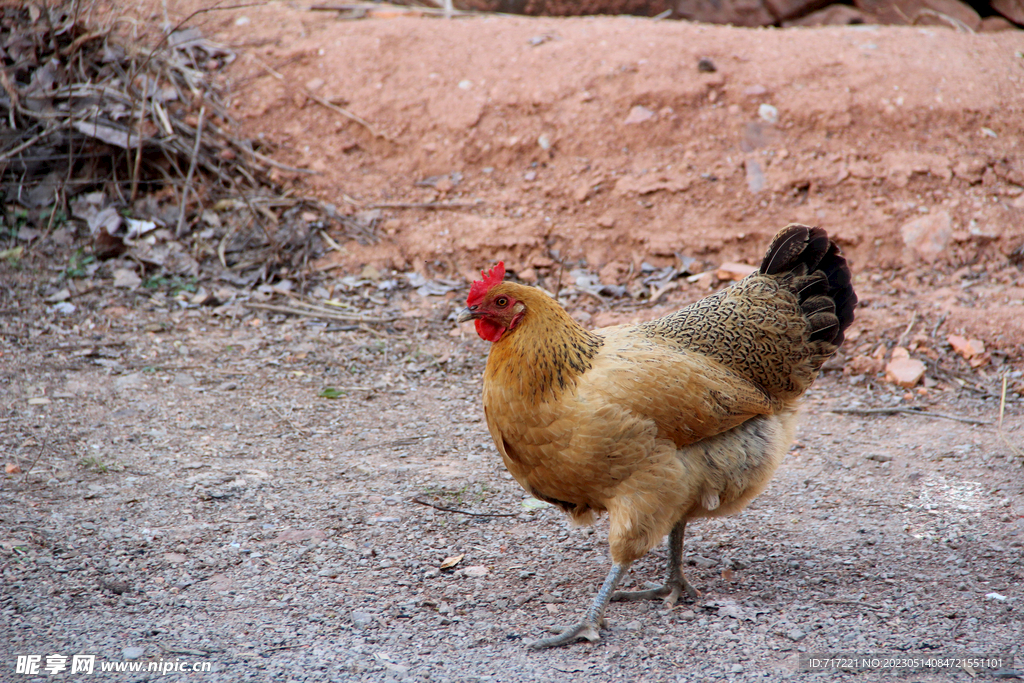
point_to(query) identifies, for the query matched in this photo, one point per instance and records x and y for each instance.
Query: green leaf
(331, 392)
(12, 255)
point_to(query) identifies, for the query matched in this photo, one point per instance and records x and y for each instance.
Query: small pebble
(362, 619)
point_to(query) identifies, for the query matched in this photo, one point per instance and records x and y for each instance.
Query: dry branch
(315, 312)
(907, 411)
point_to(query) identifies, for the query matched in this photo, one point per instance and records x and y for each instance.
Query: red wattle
(488, 329)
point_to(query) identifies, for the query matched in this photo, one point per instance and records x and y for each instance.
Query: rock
(1010, 170)
(863, 365)
(879, 457)
(132, 652)
(927, 237)
(703, 562)
(476, 571)
(788, 9)
(736, 12)
(183, 379)
(968, 348)
(130, 381)
(902, 166)
(996, 597)
(952, 13)
(1011, 9)
(971, 168)
(639, 114)
(904, 372)
(734, 271)
(755, 174)
(706, 66)
(362, 619)
(993, 24)
(795, 634)
(833, 15)
(768, 113)
(939, 13)
(330, 572)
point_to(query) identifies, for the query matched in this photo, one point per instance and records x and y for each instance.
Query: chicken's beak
(467, 314)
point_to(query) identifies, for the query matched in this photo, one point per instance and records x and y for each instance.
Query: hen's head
(492, 305)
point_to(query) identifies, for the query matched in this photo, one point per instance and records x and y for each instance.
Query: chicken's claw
(670, 593)
(584, 630)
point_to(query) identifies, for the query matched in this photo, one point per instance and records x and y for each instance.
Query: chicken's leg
(589, 627)
(676, 584)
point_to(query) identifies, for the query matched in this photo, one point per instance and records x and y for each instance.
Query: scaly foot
(670, 592)
(584, 630)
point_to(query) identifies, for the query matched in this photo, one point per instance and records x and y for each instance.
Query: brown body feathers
(681, 417)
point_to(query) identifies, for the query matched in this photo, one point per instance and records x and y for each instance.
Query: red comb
(481, 287)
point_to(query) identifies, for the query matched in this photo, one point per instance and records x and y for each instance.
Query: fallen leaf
(12, 255)
(126, 279)
(12, 468)
(450, 562)
(532, 504)
(331, 392)
(728, 575)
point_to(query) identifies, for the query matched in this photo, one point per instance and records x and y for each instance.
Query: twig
(277, 164)
(352, 7)
(347, 114)
(856, 603)
(191, 170)
(285, 647)
(404, 441)
(942, 319)
(464, 512)
(318, 313)
(23, 146)
(24, 476)
(426, 205)
(334, 246)
(321, 101)
(907, 411)
(138, 148)
(999, 427)
(910, 326)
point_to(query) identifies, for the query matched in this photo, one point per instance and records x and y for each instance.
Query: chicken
(679, 418)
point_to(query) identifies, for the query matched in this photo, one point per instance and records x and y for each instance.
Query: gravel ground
(186, 495)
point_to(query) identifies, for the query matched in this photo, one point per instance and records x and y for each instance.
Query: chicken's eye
(501, 301)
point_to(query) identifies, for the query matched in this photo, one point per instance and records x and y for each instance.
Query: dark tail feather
(808, 256)
(785, 249)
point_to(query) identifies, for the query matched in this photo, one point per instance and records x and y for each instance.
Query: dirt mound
(610, 142)
(601, 138)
